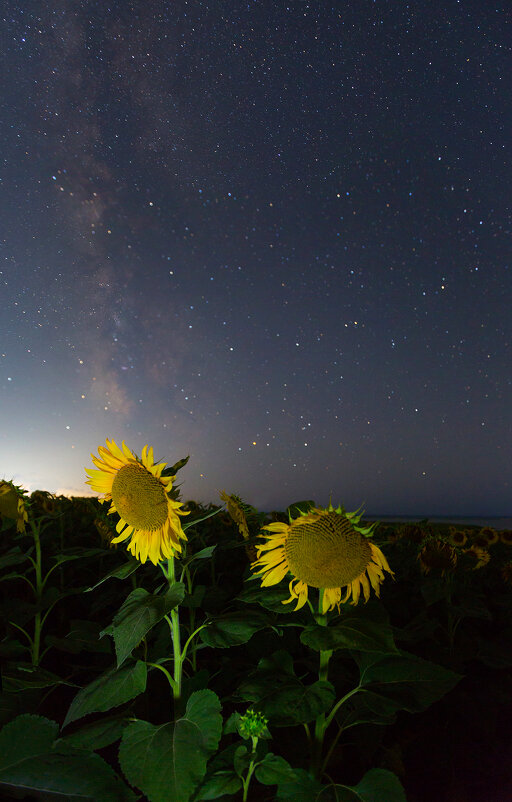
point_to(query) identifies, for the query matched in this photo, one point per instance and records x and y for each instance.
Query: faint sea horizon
(494, 521)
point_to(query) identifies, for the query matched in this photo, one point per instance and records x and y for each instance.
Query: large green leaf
(365, 629)
(12, 557)
(234, 628)
(301, 788)
(404, 680)
(139, 613)
(25, 737)
(167, 762)
(24, 676)
(29, 761)
(121, 572)
(271, 598)
(281, 696)
(96, 735)
(113, 688)
(274, 770)
(377, 785)
(219, 784)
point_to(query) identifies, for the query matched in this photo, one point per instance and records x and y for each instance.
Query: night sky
(275, 236)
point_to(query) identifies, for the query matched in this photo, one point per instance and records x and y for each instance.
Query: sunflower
(139, 493)
(506, 537)
(13, 504)
(437, 555)
(457, 537)
(236, 513)
(481, 555)
(322, 548)
(490, 535)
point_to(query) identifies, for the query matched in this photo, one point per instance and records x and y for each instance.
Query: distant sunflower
(506, 537)
(479, 554)
(457, 537)
(13, 504)
(236, 513)
(490, 535)
(437, 555)
(322, 548)
(139, 493)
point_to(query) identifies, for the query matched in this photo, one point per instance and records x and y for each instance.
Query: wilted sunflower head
(44, 502)
(141, 496)
(236, 512)
(322, 548)
(437, 555)
(13, 504)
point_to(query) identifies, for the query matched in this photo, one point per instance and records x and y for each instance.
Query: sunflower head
(457, 537)
(13, 504)
(489, 535)
(149, 516)
(437, 555)
(479, 555)
(236, 512)
(324, 548)
(44, 502)
(506, 536)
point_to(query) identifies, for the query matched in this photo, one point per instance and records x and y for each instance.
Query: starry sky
(275, 236)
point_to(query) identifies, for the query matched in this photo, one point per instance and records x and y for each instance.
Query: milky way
(273, 236)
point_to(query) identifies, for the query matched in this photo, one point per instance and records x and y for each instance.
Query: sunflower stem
(250, 770)
(36, 642)
(176, 645)
(320, 722)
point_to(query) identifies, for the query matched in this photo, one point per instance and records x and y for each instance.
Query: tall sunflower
(322, 548)
(140, 494)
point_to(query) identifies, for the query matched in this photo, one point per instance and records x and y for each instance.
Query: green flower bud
(253, 725)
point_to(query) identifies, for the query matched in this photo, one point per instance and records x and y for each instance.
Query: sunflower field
(158, 649)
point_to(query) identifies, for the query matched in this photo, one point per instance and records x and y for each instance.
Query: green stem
(170, 679)
(189, 639)
(36, 643)
(320, 723)
(250, 770)
(339, 703)
(176, 645)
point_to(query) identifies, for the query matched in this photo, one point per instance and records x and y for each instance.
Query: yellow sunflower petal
(331, 597)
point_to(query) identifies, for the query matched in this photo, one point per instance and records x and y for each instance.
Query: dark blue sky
(274, 236)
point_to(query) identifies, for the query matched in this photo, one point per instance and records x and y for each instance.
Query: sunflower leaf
(169, 761)
(139, 613)
(376, 785)
(111, 689)
(121, 572)
(363, 630)
(402, 681)
(219, 784)
(96, 735)
(281, 696)
(233, 629)
(274, 770)
(30, 760)
(271, 598)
